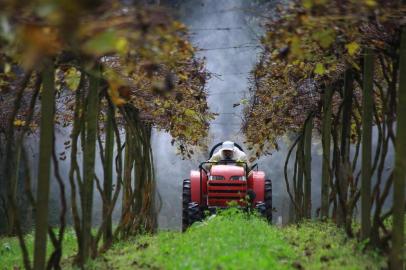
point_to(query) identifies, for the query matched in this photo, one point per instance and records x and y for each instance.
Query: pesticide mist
(227, 35)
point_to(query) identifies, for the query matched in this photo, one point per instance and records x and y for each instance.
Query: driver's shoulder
(216, 156)
(239, 152)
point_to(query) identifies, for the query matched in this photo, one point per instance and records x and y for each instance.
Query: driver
(229, 152)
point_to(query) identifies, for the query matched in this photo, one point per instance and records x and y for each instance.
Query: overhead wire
(225, 124)
(228, 93)
(242, 46)
(216, 29)
(228, 48)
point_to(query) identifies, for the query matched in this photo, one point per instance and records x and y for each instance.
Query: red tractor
(216, 184)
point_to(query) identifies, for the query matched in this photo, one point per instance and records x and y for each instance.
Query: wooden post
(44, 164)
(399, 177)
(91, 122)
(308, 167)
(346, 116)
(299, 187)
(326, 142)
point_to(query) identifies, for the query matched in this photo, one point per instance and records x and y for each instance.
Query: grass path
(233, 241)
(228, 241)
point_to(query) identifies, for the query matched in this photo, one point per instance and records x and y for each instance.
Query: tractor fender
(256, 182)
(195, 186)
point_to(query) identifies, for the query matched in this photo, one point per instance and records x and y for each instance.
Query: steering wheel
(217, 145)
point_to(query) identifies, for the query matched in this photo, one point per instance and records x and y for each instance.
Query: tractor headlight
(239, 178)
(216, 177)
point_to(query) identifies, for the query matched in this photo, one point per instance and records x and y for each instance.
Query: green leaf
(295, 47)
(102, 43)
(72, 78)
(244, 101)
(325, 37)
(190, 113)
(320, 70)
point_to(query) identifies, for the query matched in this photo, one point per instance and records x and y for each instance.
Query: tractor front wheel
(268, 200)
(194, 213)
(186, 199)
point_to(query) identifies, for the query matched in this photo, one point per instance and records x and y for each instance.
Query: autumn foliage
(99, 69)
(307, 46)
(147, 61)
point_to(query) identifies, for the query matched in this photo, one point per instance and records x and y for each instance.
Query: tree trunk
(76, 182)
(396, 258)
(91, 117)
(44, 165)
(346, 117)
(326, 142)
(128, 166)
(307, 168)
(345, 167)
(13, 189)
(108, 175)
(145, 182)
(12, 159)
(367, 105)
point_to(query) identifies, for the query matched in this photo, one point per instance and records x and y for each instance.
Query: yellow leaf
(122, 45)
(183, 77)
(115, 95)
(370, 3)
(117, 100)
(19, 123)
(352, 48)
(320, 70)
(7, 68)
(308, 4)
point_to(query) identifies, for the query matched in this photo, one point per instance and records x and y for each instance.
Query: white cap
(227, 145)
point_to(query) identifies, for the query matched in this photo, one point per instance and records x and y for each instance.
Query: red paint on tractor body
(256, 182)
(221, 192)
(227, 171)
(195, 186)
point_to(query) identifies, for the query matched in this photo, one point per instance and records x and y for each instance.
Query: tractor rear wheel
(268, 200)
(186, 199)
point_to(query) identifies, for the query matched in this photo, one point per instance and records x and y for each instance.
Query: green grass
(225, 242)
(231, 240)
(10, 252)
(235, 241)
(324, 246)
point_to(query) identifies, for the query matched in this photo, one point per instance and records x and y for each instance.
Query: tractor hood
(227, 171)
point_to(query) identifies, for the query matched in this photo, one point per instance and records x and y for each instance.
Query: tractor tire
(194, 213)
(268, 200)
(186, 199)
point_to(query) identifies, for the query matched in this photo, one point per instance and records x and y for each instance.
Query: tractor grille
(222, 192)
